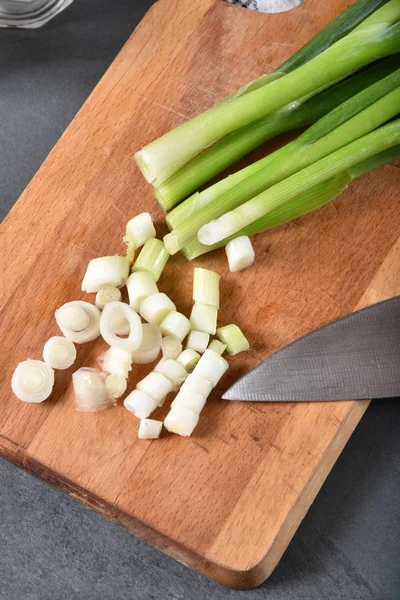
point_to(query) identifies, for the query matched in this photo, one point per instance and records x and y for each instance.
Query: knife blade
(355, 357)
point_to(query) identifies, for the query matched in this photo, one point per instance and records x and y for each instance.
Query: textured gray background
(53, 548)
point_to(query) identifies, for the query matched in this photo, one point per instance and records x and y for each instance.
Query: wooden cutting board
(228, 500)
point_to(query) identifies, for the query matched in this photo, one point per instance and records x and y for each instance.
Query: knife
(356, 357)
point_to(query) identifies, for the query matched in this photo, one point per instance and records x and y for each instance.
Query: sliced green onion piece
(149, 429)
(140, 404)
(188, 359)
(116, 385)
(196, 384)
(107, 294)
(233, 338)
(139, 230)
(198, 340)
(90, 390)
(140, 285)
(172, 370)
(107, 270)
(191, 400)
(181, 420)
(240, 253)
(79, 321)
(150, 347)
(118, 310)
(211, 366)
(156, 307)
(59, 352)
(152, 258)
(175, 323)
(206, 286)
(217, 347)
(171, 346)
(117, 361)
(155, 385)
(204, 317)
(32, 381)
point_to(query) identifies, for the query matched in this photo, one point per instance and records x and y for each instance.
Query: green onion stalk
(234, 146)
(322, 170)
(354, 118)
(307, 202)
(374, 38)
(293, 116)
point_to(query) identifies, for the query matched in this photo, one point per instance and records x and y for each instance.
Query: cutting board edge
(246, 577)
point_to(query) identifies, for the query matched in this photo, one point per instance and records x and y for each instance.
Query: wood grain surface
(228, 500)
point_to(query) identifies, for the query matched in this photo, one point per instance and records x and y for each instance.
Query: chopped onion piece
(240, 253)
(74, 316)
(32, 381)
(188, 359)
(106, 270)
(173, 371)
(106, 294)
(139, 230)
(155, 385)
(116, 385)
(175, 323)
(90, 390)
(206, 286)
(120, 326)
(191, 400)
(150, 347)
(152, 258)
(149, 429)
(156, 307)
(198, 340)
(117, 361)
(217, 347)
(211, 366)
(140, 285)
(181, 420)
(171, 346)
(204, 318)
(59, 353)
(79, 321)
(196, 384)
(233, 338)
(118, 310)
(140, 404)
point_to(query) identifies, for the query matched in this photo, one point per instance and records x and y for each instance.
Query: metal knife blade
(356, 357)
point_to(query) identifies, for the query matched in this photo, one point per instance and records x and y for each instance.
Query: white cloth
(268, 6)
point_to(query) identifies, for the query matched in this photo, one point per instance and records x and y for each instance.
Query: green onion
(204, 318)
(188, 359)
(355, 117)
(198, 341)
(152, 258)
(234, 146)
(232, 337)
(374, 38)
(240, 253)
(175, 323)
(206, 286)
(217, 347)
(106, 270)
(382, 138)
